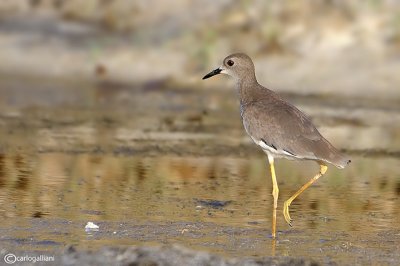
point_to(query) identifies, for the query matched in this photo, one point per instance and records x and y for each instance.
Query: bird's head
(237, 65)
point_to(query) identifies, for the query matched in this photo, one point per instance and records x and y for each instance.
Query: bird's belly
(276, 153)
(280, 154)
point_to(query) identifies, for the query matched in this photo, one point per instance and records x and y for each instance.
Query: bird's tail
(328, 153)
(342, 161)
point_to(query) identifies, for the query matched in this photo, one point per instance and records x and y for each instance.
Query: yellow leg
(275, 194)
(322, 171)
(273, 247)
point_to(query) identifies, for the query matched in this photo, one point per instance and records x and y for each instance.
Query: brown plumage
(277, 126)
(284, 128)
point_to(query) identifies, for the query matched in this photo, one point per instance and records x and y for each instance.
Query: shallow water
(46, 199)
(179, 171)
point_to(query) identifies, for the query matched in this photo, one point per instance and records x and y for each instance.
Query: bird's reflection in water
(165, 188)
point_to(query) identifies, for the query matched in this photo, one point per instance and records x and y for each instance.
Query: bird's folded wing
(283, 126)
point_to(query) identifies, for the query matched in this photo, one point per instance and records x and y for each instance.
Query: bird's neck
(248, 89)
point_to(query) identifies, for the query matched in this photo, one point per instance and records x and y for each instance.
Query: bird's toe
(286, 213)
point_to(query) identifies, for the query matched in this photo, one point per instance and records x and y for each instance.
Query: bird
(279, 128)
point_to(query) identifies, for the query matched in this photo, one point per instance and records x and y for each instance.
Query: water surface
(163, 166)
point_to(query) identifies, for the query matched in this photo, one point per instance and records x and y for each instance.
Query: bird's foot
(286, 212)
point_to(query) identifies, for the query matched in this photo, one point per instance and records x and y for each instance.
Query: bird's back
(284, 128)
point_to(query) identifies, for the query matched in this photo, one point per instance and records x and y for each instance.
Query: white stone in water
(91, 226)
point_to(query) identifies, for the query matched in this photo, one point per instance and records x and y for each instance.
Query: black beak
(212, 73)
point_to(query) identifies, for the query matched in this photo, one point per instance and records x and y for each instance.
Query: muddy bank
(119, 118)
(155, 256)
(169, 255)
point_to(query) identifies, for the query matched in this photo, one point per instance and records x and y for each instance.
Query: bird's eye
(230, 63)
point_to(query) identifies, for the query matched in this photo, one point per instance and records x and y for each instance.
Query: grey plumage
(285, 128)
(277, 126)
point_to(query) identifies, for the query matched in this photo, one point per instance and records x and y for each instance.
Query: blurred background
(325, 46)
(104, 118)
